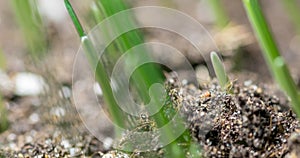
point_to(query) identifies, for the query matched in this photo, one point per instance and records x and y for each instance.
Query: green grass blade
(293, 10)
(287, 83)
(146, 75)
(221, 16)
(3, 112)
(262, 31)
(3, 116)
(29, 20)
(75, 19)
(101, 76)
(219, 70)
(2, 60)
(271, 53)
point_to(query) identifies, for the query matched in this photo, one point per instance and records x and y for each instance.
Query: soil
(245, 122)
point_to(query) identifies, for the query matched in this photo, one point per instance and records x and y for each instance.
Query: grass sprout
(30, 22)
(271, 53)
(219, 70)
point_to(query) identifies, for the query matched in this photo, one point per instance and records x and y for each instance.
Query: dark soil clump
(244, 122)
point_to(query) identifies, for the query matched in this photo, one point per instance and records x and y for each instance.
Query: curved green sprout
(219, 70)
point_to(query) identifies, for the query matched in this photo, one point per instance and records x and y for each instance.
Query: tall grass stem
(30, 22)
(101, 76)
(271, 53)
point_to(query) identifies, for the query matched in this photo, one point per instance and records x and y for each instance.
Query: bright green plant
(271, 53)
(219, 70)
(293, 10)
(29, 20)
(221, 16)
(143, 77)
(147, 74)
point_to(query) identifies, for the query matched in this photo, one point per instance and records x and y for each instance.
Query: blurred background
(62, 41)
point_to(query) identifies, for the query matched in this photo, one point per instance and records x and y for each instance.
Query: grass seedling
(293, 10)
(143, 77)
(101, 76)
(271, 53)
(221, 16)
(29, 20)
(219, 70)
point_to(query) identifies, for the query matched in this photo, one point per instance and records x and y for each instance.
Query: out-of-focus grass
(293, 10)
(3, 112)
(221, 16)
(271, 53)
(2, 60)
(3, 116)
(30, 22)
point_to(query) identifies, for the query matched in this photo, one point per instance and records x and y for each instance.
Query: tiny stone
(107, 143)
(108, 156)
(11, 137)
(65, 144)
(65, 92)
(28, 139)
(74, 151)
(184, 82)
(34, 118)
(247, 83)
(20, 155)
